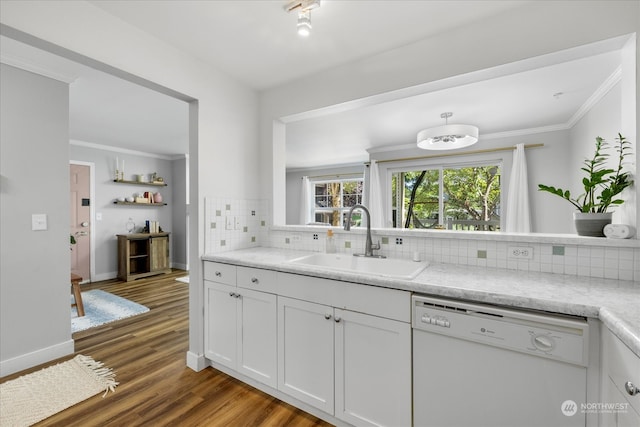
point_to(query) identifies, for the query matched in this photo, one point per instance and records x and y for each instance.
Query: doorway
(81, 214)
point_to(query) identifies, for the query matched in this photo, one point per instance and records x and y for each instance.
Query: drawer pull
(254, 280)
(327, 316)
(631, 388)
(232, 294)
(337, 319)
(218, 274)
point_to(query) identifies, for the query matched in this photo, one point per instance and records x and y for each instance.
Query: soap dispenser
(330, 246)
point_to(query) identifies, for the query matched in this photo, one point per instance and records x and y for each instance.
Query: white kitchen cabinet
(305, 352)
(257, 336)
(240, 325)
(619, 367)
(221, 342)
(352, 365)
(373, 370)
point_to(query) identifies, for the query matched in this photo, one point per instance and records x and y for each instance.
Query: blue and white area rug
(101, 307)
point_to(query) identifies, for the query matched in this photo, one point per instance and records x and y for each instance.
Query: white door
(258, 336)
(80, 216)
(373, 370)
(305, 352)
(220, 323)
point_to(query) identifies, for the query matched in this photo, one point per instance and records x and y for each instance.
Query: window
(333, 199)
(463, 197)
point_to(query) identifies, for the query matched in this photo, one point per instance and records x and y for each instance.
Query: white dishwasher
(482, 365)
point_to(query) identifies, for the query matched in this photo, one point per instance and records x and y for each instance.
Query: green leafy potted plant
(602, 186)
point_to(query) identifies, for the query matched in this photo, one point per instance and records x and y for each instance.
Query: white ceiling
(255, 42)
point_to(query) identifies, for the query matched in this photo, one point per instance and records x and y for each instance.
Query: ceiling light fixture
(447, 137)
(303, 7)
(304, 23)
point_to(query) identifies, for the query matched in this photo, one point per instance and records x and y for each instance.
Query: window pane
(416, 195)
(332, 200)
(351, 193)
(472, 198)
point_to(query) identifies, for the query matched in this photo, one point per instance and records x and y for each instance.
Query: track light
(303, 7)
(304, 23)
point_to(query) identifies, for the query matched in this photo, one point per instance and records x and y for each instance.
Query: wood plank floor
(156, 388)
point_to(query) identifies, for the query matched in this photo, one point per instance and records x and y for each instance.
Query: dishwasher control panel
(546, 335)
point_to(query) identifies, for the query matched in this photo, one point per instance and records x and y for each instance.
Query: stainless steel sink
(386, 267)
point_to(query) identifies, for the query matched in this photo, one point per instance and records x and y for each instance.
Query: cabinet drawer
(221, 273)
(258, 279)
(622, 365)
(383, 302)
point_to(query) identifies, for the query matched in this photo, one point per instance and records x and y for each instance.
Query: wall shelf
(152, 184)
(139, 204)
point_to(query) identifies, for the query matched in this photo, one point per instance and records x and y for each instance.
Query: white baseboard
(28, 360)
(196, 362)
(105, 276)
(180, 265)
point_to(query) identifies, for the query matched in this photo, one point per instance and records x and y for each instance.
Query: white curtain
(518, 215)
(305, 201)
(376, 193)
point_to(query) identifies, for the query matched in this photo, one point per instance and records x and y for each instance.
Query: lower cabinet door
(373, 370)
(220, 323)
(305, 352)
(257, 336)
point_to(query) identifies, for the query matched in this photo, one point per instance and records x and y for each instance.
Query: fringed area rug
(36, 396)
(101, 307)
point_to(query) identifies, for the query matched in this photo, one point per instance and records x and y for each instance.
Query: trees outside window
(466, 197)
(333, 199)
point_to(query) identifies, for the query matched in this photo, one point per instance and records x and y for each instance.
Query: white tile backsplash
(578, 260)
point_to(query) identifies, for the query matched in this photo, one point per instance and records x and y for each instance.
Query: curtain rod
(488, 150)
(335, 175)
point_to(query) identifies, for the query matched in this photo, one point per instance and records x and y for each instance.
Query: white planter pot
(591, 224)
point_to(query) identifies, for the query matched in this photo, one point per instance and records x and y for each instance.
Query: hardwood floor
(156, 388)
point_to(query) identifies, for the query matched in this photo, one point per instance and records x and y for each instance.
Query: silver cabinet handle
(327, 316)
(218, 274)
(337, 319)
(631, 388)
(254, 280)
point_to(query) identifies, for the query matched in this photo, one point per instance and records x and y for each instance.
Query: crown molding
(596, 96)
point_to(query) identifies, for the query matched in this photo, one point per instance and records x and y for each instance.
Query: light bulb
(304, 24)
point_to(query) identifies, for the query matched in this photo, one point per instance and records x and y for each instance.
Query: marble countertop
(615, 302)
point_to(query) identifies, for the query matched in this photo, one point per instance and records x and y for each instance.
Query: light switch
(38, 222)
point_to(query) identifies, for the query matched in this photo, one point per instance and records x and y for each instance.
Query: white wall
(35, 321)
(179, 214)
(534, 29)
(603, 120)
(222, 120)
(115, 217)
